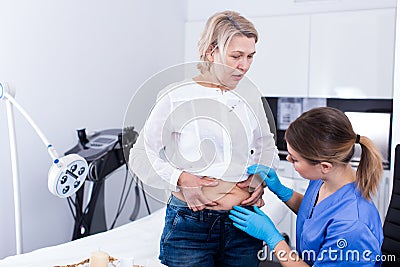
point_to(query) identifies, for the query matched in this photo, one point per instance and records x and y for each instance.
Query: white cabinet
(352, 54)
(280, 66)
(382, 197)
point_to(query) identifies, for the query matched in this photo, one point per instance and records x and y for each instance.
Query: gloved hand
(271, 179)
(256, 224)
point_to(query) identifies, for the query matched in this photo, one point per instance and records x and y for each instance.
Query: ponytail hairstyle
(218, 33)
(326, 134)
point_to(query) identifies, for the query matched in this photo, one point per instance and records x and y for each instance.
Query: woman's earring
(210, 56)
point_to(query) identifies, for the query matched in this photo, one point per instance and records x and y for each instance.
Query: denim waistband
(174, 201)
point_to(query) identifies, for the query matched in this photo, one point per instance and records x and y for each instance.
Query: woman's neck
(209, 81)
(336, 179)
(341, 176)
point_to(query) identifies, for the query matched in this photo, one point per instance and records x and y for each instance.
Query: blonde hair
(326, 134)
(218, 32)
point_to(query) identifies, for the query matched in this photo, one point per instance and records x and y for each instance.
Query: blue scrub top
(344, 229)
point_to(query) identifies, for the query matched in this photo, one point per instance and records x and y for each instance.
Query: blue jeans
(204, 238)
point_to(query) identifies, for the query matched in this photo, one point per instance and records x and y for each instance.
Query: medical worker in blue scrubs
(337, 223)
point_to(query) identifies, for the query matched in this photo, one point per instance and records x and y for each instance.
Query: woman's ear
(210, 53)
(326, 167)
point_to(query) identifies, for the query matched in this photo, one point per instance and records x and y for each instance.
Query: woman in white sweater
(198, 141)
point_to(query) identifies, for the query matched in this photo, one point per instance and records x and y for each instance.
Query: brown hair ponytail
(369, 170)
(326, 134)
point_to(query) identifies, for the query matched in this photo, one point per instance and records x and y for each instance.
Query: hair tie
(358, 139)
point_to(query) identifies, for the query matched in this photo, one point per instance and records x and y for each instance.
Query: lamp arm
(50, 149)
(66, 175)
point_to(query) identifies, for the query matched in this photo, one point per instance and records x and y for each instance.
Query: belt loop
(169, 200)
(201, 216)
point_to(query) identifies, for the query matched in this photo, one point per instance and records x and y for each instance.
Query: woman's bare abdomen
(225, 194)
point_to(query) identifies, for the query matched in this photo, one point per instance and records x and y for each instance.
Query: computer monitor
(375, 126)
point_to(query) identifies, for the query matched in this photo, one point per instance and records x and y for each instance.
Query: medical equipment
(105, 151)
(66, 175)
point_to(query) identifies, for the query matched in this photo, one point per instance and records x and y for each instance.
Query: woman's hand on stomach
(191, 188)
(226, 195)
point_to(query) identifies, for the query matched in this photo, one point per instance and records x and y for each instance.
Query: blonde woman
(198, 141)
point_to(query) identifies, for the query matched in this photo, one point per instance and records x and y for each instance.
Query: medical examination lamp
(66, 175)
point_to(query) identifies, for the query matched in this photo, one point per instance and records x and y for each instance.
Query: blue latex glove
(256, 224)
(271, 179)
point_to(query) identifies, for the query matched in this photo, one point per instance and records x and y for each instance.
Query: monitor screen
(370, 117)
(375, 126)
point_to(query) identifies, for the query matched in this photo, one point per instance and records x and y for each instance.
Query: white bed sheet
(138, 239)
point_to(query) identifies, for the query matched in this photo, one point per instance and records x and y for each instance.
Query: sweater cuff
(174, 179)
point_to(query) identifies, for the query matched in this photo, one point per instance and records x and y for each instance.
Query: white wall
(75, 64)
(396, 91)
(201, 10)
